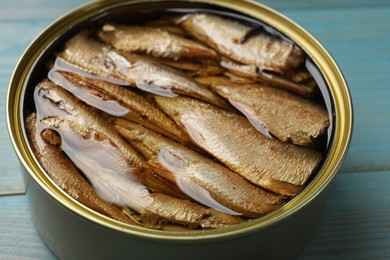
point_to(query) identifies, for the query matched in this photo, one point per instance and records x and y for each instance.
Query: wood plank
(285, 5)
(16, 37)
(18, 237)
(41, 9)
(36, 9)
(355, 223)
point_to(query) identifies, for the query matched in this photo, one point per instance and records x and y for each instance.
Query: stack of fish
(182, 123)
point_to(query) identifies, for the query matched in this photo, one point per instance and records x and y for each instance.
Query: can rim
(332, 74)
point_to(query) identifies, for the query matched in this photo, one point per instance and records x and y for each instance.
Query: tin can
(72, 231)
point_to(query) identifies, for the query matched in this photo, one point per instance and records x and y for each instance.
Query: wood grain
(39, 9)
(17, 36)
(18, 237)
(286, 5)
(356, 221)
(31, 10)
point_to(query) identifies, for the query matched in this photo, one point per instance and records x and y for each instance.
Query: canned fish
(212, 68)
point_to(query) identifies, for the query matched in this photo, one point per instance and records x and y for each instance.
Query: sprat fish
(280, 167)
(288, 117)
(238, 42)
(68, 107)
(201, 178)
(132, 69)
(129, 104)
(46, 146)
(154, 41)
(114, 168)
(295, 83)
(113, 178)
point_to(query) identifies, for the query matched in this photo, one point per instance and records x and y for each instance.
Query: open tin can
(73, 231)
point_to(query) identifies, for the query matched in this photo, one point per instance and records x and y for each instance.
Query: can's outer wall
(73, 237)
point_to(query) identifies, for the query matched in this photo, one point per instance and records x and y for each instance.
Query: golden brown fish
(62, 171)
(219, 80)
(233, 78)
(288, 117)
(195, 68)
(153, 41)
(94, 58)
(137, 71)
(166, 24)
(189, 213)
(226, 36)
(112, 176)
(280, 167)
(295, 83)
(201, 178)
(169, 81)
(134, 107)
(53, 101)
(93, 96)
(117, 177)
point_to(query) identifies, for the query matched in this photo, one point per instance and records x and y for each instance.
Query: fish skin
(167, 24)
(62, 171)
(189, 213)
(194, 68)
(189, 169)
(89, 118)
(134, 175)
(279, 167)
(94, 97)
(138, 71)
(86, 117)
(227, 77)
(153, 41)
(171, 79)
(237, 79)
(89, 55)
(220, 80)
(283, 82)
(115, 183)
(226, 36)
(173, 29)
(288, 117)
(140, 109)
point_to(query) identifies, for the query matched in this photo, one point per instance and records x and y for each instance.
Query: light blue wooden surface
(356, 222)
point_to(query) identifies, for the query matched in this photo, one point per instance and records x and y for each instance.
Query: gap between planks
(369, 168)
(13, 192)
(304, 5)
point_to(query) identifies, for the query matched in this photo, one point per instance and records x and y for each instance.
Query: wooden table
(356, 222)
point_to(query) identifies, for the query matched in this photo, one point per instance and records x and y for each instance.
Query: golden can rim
(342, 126)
